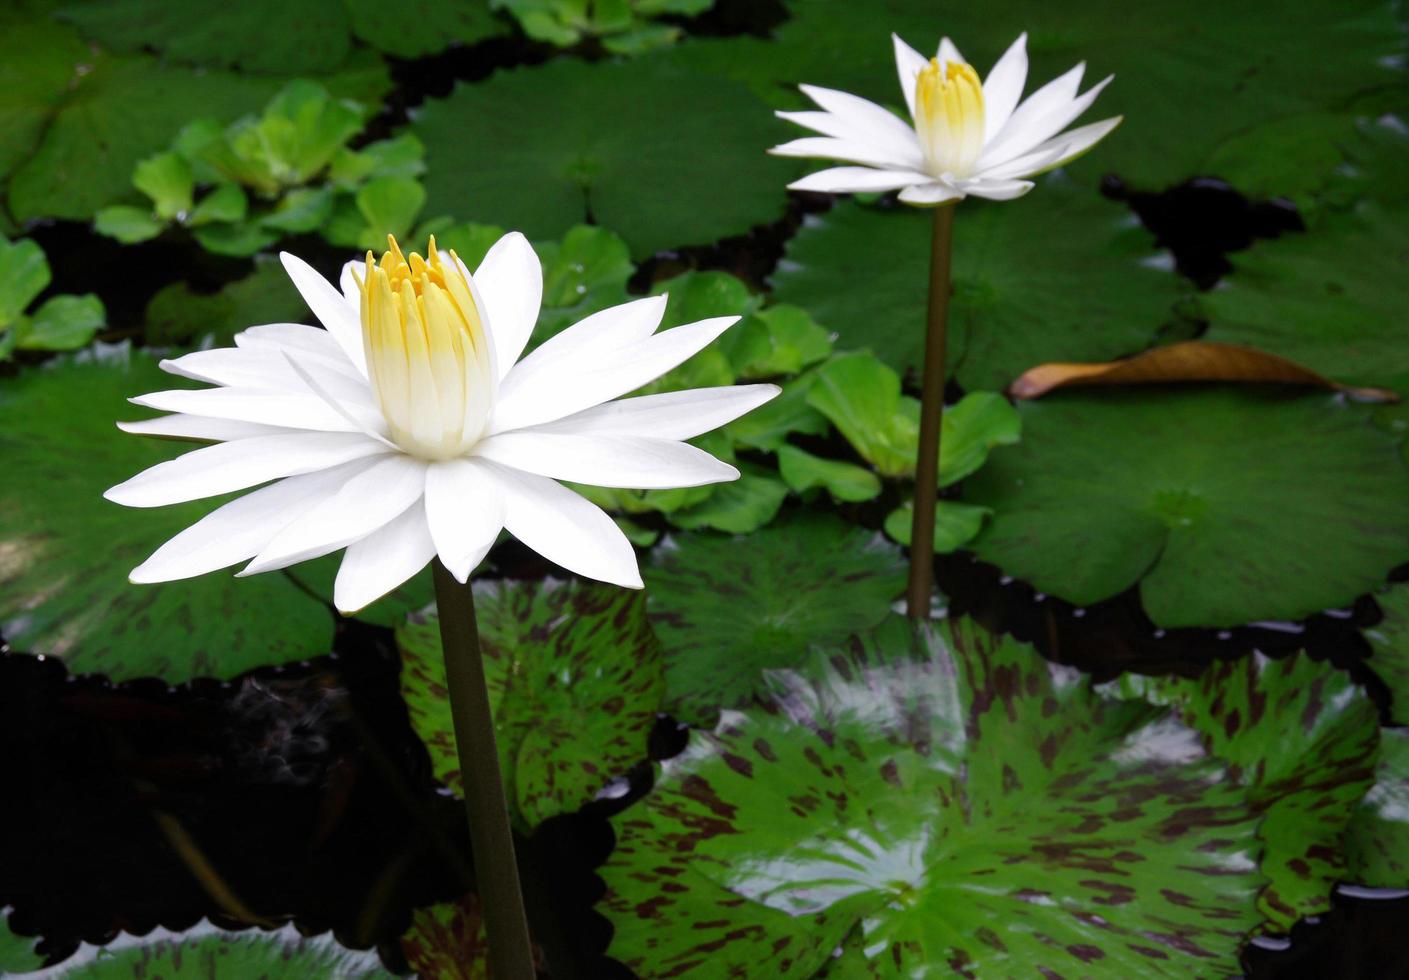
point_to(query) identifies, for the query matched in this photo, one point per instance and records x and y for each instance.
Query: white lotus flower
(967, 138)
(409, 428)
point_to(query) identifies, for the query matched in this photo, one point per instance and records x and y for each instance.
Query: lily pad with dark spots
(575, 682)
(1225, 506)
(65, 552)
(727, 609)
(210, 953)
(1302, 737)
(1389, 640)
(953, 804)
(1377, 843)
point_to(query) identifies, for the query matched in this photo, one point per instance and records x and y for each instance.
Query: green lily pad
(1377, 843)
(1389, 640)
(24, 273)
(121, 109)
(802, 472)
(61, 323)
(1019, 300)
(954, 804)
(1226, 505)
(39, 60)
(584, 272)
(575, 682)
(206, 952)
(1302, 737)
(414, 28)
(639, 145)
(1186, 80)
(768, 426)
(727, 609)
(17, 953)
(955, 524)
(65, 552)
(1332, 299)
(176, 315)
(740, 506)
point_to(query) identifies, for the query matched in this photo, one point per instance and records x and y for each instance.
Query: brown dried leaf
(1191, 360)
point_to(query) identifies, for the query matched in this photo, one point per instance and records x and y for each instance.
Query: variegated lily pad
(1377, 844)
(575, 682)
(945, 803)
(1389, 639)
(727, 609)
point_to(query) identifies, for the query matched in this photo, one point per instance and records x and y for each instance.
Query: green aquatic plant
(620, 26)
(59, 323)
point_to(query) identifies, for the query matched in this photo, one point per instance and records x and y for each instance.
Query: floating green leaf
(422, 27)
(24, 273)
(639, 145)
(728, 610)
(1302, 738)
(802, 472)
(585, 272)
(1226, 506)
(39, 60)
(1332, 299)
(621, 25)
(60, 323)
(575, 682)
(17, 953)
(1377, 843)
(1018, 299)
(448, 942)
(65, 552)
(955, 524)
(951, 797)
(740, 506)
(209, 953)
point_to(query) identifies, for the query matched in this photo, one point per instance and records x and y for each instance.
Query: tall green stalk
(496, 868)
(921, 587)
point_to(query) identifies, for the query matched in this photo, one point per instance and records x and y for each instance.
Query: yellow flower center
(428, 354)
(949, 117)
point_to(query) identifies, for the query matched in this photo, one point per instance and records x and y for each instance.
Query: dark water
(305, 789)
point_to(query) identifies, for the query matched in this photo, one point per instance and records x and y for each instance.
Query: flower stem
(921, 588)
(492, 839)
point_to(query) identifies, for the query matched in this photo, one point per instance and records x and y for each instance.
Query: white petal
(199, 427)
(566, 528)
(465, 511)
(908, 65)
(868, 122)
(1074, 142)
(383, 560)
(851, 180)
(949, 53)
(238, 530)
(562, 389)
(1039, 129)
(229, 466)
(255, 367)
(852, 152)
(333, 310)
(1043, 158)
(607, 461)
(347, 282)
(323, 384)
(669, 415)
(366, 502)
(1004, 87)
(936, 192)
(1014, 138)
(997, 190)
(288, 411)
(511, 281)
(293, 336)
(588, 341)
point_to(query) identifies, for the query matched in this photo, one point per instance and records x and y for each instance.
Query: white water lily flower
(967, 138)
(410, 428)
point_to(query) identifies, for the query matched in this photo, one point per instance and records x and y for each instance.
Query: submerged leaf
(952, 804)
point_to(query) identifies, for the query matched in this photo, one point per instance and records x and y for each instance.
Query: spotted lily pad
(448, 942)
(1018, 301)
(1332, 299)
(1377, 843)
(206, 952)
(65, 552)
(639, 145)
(1389, 639)
(575, 682)
(1186, 79)
(727, 609)
(1225, 506)
(1302, 737)
(955, 805)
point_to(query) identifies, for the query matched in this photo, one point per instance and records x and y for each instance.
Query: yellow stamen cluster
(949, 117)
(428, 354)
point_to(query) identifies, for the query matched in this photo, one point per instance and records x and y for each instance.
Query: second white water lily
(966, 137)
(410, 428)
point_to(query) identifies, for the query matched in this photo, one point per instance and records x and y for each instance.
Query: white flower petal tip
(964, 131)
